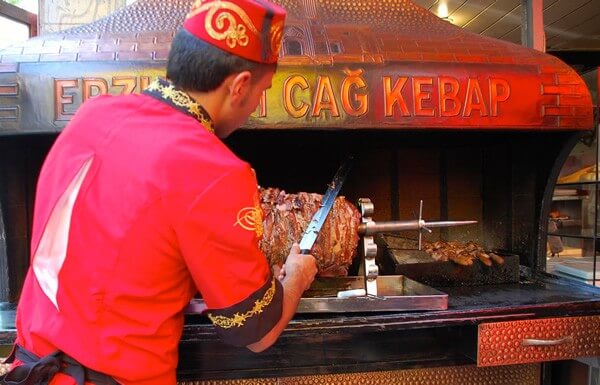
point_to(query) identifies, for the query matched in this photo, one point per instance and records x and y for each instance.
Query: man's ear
(239, 86)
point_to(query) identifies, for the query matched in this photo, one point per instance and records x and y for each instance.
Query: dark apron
(40, 370)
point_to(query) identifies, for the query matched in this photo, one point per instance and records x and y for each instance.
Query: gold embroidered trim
(226, 25)
(182, 100)
(238, 320)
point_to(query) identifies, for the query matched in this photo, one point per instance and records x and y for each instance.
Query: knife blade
(333, 188)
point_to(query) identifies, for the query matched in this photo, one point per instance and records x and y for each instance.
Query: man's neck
(211, 101)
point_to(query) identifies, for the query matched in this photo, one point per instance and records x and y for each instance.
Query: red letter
(499, 92)
(420, 96)
(474, 99)
(89, 84)
(61, 99)
(296, 111)
(127, 82)
(354, 80)
(393, 95)
(324, 98)
(262, 105)
(449, 95)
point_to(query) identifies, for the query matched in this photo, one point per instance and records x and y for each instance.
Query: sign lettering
(330, 96)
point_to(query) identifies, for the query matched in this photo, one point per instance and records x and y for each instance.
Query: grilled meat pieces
(461, 253)
(286, 216)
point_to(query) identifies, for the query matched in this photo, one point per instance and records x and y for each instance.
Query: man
(139, 206)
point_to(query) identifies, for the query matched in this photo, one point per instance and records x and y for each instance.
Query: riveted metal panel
(518, 342)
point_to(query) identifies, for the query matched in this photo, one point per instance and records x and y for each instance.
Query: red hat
(251, 29)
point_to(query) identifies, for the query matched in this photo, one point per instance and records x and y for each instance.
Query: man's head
(194, 65)
(228, 48)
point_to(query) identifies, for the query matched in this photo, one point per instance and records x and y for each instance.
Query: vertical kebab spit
(286, 216)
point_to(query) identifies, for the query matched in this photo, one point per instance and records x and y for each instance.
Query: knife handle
(305, 251)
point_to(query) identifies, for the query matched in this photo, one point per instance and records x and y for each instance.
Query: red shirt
(138, 207)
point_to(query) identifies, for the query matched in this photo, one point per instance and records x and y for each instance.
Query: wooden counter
(325, 344)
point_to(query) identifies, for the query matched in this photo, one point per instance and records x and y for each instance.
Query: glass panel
(571, 244)
(580, 166)
(572, 214)
(573, 226)
(568, 247)
(12, 32)
(580, 269)
(28, 5)
(591, 79)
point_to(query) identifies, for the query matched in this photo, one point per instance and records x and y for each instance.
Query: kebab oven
(444, 127)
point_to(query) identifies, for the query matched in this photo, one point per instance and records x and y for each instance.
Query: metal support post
(4, 279)
(532, 25)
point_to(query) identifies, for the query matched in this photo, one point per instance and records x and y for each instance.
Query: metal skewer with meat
(461, 253)
(286, 216)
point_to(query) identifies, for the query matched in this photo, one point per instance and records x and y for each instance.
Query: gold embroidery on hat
(179, 98)
(224, 26)
(251, 218)
(276, 37)
(238, 320)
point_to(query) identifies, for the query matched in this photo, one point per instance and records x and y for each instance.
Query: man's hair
(195, 65)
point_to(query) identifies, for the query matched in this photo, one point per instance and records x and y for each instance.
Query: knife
(312, 231)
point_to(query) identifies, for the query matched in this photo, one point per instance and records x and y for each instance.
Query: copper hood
(344, 65)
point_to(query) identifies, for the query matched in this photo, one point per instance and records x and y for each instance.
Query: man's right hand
(301, 267)
(296, 276)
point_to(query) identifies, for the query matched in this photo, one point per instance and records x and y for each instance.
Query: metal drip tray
(395, 293)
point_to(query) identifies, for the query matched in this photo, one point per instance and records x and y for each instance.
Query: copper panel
(517, 342)
(395, 96)
(344, 64)
(458, 375)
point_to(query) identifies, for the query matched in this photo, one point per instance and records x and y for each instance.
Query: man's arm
(300, 270)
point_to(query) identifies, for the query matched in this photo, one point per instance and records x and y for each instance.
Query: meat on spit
(286, 216)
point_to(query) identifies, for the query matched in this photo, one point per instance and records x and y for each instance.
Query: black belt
(40, 370)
